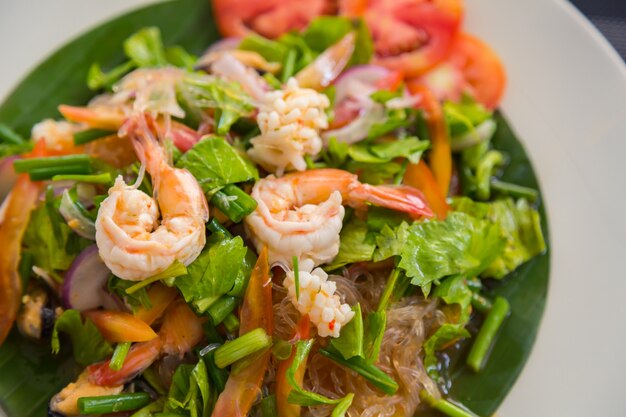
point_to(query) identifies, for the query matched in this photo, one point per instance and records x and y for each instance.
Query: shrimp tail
(142, 130)
(400, 198)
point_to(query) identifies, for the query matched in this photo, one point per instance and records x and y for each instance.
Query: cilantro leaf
(215, 164)
(220, 268)
(145, 48)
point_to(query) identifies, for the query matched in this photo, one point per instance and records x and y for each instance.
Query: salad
(302, 220)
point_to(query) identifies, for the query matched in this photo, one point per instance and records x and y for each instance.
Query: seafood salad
(301, 220)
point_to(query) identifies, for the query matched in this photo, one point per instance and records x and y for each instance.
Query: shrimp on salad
(301, 213)
(131, 242)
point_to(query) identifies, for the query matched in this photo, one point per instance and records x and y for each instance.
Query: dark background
(610, 17)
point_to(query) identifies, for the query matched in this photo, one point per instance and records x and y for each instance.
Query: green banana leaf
(29, 375)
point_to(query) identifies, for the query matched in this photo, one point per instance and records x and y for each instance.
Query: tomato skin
(472, 67)
(284, 408)
(269, 18)
(118, 327)
(409, 35)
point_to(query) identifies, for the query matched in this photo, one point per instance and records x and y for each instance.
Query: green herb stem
(221, 308)
(369, 371)
(175, 270)
(390, 286)
(231, 322)
(487, 333)
(233, 202)
(113, 403)
(27, 165)
(289, 65)
(241, 347)
(444, 406)
(104, 178)
(8, 135)
(514, 190)
(89, 135)
(484, 171)
(296, 276)
(119, 356)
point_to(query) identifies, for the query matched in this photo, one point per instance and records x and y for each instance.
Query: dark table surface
(610, 17)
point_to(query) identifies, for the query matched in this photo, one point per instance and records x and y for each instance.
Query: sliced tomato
(409, 35)
(270, 18)
(117, 326)
(472, 67)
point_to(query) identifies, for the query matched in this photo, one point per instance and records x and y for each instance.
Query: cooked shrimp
(130, 241)
(58, 135)
(301, 213)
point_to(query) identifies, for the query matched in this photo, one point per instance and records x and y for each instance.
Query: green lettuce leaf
(411, 148)
(355, 245)
(226, 97)
(49, 239)
(379, 217)
(394, 119)
(221, 267)
(463, 117)
(215, 164)
(350, 341)
(390, 241)
(454, 290)
(88, 345)
(375, 324)
(520, 224)
(272, 51)
(374, 173)
(460, 245)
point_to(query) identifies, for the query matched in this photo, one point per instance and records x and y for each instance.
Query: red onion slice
(83, 286)
(359, 82)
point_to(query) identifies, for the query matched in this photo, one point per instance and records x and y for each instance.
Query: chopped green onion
(400, 175)
(119, 355)
(289, 65)
(176, 269)
(487, 333)
(481, 303)
(369, 371)
(484, 171)
(27, 165)
(218, 376)
(89, 135)
(113, 403)
(444, 406)
(233, 202)
(268, 406)
(104, 178)
(8, 135)
(385, 298)
(343, 406)
(221, 308)
(514, 190)
(243, 346)
(41, 174)
(231, 322)
(296, 277)
(216, 227)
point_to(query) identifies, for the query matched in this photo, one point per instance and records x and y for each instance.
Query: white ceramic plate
(567, 101)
